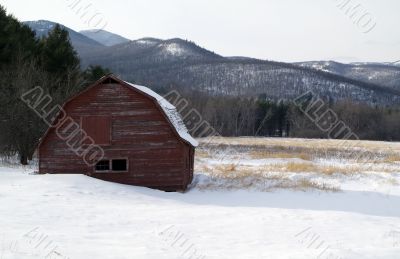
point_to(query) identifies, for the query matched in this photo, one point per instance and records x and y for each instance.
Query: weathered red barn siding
(140, 132)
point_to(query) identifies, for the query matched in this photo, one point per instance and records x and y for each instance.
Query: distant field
(302, 164)
(319, 144)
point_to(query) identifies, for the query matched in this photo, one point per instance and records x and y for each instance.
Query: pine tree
(94, 73)
(16, 40)
(58, 56)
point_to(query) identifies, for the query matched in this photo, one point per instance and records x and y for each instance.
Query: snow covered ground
(75, 216)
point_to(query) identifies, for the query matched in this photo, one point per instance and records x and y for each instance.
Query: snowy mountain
(104, 37)
(80, 42)
(149, 50)
(385, 74)
(160, 63)
(147, 41)
(183, 49)
(397, 63)
(181, 63)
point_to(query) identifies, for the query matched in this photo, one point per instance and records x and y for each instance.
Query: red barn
(143, 139)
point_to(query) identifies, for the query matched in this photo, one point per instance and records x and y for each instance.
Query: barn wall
(139, 131)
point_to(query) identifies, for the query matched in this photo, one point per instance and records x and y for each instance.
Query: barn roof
(170, 111)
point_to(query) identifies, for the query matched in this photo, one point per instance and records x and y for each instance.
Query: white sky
(282, 30)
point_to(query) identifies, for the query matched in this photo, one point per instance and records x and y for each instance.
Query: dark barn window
(119, 165)
(103, 165)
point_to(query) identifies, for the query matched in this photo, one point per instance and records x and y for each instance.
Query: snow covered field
(268, 198)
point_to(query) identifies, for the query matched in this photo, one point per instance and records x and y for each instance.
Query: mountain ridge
(104, 37)
(80, 42)
(160, 63)
(378, 73)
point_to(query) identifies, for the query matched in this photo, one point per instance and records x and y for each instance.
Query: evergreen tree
(94, 73)
(58, 56)
(59, 59)
(16, 40)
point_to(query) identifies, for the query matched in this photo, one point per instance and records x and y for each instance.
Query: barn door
(98, 128)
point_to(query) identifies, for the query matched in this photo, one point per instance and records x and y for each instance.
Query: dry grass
(300, 167)
(305, 149)
(320, 158)
(246, 179)
(263, 154)
(306, 185)
(202, 154)
(330, 170)
(225, 169)
(233, 177)
(392, 158)
(293, 167)
(315, 144)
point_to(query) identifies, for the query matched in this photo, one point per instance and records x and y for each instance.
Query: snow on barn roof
(171, 113)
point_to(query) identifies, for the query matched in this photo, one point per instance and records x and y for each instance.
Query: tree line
(260, 116)
(27, 61)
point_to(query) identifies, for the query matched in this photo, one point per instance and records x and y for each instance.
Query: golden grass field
(301, 164)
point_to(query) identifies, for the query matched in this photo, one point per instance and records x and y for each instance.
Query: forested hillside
(376, 73)
(178, 62)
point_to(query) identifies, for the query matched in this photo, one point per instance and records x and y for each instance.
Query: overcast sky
(282, 30)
